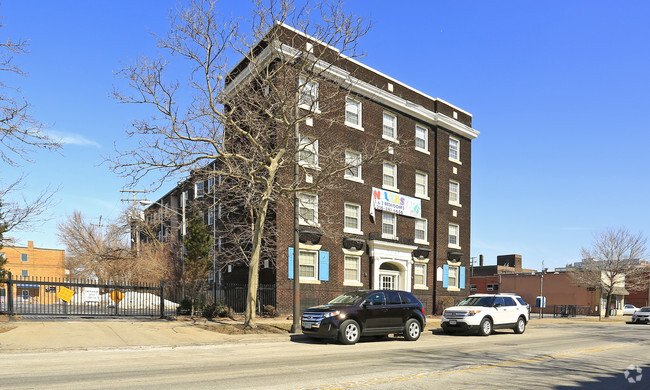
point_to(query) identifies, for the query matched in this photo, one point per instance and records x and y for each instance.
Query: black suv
(366, 313)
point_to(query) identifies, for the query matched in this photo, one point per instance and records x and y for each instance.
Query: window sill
(425, 197)
(354, 179)
(353, 231)
(421, 242)
(309, 108)
(395, 140)
(306, 223)
(387, 237)
(309, 166)
(309, 281)
(454, 246)
(352, 125)
(390, 188)
(455, 161)
(423, 151)
(455, 204)
(353, 284)
(453, 289)
(418, 287)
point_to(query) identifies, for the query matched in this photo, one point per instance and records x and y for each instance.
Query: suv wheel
(521, 326)
(349, 332)
(485, 328)
(412, 330)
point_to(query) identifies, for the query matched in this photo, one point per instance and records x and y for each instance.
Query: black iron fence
(74, 297)
(571, 311)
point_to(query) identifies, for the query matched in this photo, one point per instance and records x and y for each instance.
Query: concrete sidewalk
(33, 335)
(76, 334)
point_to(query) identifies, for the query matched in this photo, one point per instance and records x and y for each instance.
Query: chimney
(480, 260)
(30, 244)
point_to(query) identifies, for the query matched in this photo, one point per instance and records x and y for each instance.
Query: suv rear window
(408, 298)
(520, 300)
(509, 301)
(392, 298)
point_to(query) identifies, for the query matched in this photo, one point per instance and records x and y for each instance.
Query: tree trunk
(609, 302)
(254, 266)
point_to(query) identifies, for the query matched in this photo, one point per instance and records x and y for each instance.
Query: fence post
(162, 299)
(10, 295)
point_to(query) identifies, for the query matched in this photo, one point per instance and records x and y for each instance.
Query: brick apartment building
(404, 223)
(27, 262)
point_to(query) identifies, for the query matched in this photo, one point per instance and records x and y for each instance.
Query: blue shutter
(323, 266)
(290, 262)
(445, 276)
(462, 278)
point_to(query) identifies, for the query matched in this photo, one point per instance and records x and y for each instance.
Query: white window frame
(357, 269)
(454, 232)
(454, 194)
(307, 88)
(353, 157)
(425, 194)
(303, 203)
(394, 176)
(392, 137)
(384, 222)
(350, 102)
(357, 228)
(423, 267)
(425, 230)
(308, 145)
(455, 278)
(454, 150)
(425, 139)
(199, 193)
(314, 275)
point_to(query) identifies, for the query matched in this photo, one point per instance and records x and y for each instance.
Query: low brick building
(28, 262)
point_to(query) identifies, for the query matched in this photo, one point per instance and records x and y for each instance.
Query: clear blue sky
(560, 91)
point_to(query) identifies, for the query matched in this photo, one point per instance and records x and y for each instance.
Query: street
(549, 355)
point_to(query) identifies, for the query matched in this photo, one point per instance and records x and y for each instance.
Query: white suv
(485, 312)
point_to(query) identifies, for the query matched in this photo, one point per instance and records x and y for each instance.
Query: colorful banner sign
(395, 203)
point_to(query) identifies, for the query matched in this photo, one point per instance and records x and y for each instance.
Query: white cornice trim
(358, 86)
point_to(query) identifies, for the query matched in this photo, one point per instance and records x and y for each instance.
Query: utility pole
(295, 326)
(132, 217)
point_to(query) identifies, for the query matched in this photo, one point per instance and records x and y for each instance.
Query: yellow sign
(116, 296)
(65, 294)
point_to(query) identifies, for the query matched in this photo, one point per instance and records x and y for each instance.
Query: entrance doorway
(389, 276)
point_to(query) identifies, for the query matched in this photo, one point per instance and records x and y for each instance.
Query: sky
(559, 91)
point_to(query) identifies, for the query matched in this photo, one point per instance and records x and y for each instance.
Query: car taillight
(423, 310)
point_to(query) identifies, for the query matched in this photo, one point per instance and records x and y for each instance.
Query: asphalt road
(560, 356)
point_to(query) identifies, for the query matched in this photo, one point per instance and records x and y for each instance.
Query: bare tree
(240, 122)
(20, 133)
(612, 261)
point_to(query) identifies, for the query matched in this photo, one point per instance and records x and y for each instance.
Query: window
(353, 162)
(472, 287)
(198, 189)
(454, 192)
(390, 126)
(353, 112)
(421, 184)
(390, 175)
(308, 90)
(352, 218)
(308, 209)
(308, 151)
(453, 235)
(352, 269)
(24, 273)
(493, 287)
(23, 257)
(453, 277)
(308, 264)
(210, 216)
(419, 274)
(454, 149)
(388, 224)
(421, 230)
(421, 138)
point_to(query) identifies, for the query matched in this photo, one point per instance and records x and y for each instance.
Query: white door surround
(397, 261)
